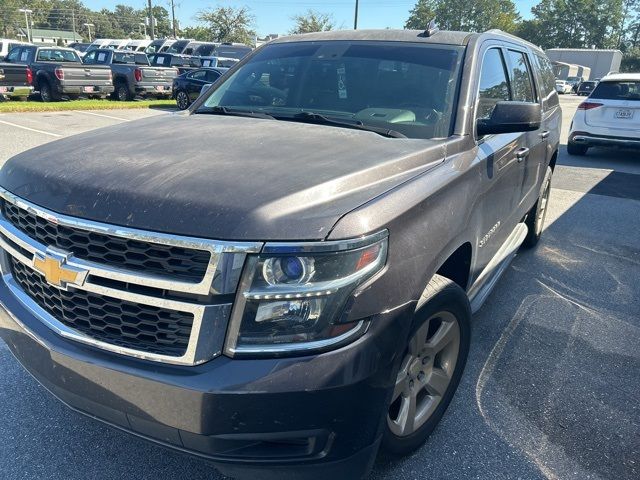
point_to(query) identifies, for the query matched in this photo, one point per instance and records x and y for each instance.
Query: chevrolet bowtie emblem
(53, 267)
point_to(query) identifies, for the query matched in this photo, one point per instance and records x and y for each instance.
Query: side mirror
(511, 117)
(205, 88)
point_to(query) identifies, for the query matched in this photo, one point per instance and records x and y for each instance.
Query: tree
(229, 24)
(312, 21)
(631, 60)
(579, 23)
(200, 33)
(475, 16)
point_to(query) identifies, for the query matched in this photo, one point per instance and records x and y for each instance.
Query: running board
(482, 287)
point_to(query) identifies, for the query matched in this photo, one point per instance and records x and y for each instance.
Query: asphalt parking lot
(553, 379)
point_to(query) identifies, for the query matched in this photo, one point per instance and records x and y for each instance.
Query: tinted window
(400, 86)
(204, 50)
(13, 55)
(494, 86)
(212, 76)
(521, 86)
(51, 55)
(617, 90)
(199, 75)
(231, 51)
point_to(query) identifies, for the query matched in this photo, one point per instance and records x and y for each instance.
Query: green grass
(90, 104)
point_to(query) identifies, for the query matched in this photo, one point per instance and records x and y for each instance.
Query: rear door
(619, 110)
(196, 80)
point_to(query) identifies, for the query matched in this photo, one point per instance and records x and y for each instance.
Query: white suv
(609, 117)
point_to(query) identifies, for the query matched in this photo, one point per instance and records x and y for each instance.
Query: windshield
(231, 51)
(204, 50)
(154, 46)
(177, 47)
(408, 88)
(617, 90)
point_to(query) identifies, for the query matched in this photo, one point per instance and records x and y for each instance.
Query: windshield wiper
(218, 110)
(313, 117)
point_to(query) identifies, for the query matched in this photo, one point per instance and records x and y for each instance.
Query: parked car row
(57, 72)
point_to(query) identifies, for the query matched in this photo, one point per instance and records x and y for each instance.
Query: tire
(182, 100)
(122, 92)
(46, 92)
(430, 370)
(579, 150)
(538, 213)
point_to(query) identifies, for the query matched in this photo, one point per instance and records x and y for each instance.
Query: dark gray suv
(282, 279)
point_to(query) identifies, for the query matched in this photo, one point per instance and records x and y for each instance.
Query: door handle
(545, 134)
(522, 153)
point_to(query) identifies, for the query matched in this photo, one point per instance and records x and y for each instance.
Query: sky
(274, 16)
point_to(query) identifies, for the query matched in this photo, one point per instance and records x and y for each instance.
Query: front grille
(118, 322)
(125, 253)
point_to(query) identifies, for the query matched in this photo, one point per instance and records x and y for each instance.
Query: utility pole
(153, 29)
(173, 19)
(355, 17)
(26, 12)
(73, 22)
(89, 25)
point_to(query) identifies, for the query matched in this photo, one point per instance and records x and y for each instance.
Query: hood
(210, 176)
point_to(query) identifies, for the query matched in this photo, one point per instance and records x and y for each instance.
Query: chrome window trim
(215, 247)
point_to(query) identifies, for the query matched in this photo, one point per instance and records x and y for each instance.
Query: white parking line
(30, 129)
(102, 115)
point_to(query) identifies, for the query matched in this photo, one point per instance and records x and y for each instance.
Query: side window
(521, 82)
(199, 75)
(494, 86)
(90, 58)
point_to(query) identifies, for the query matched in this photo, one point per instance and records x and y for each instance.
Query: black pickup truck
(132, 74)
(16, 81)
(59, 71)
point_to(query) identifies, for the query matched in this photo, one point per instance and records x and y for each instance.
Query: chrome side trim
(328, 246)
(216, 248)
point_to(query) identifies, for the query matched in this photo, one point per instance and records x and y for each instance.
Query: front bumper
(590, 140)
(266, 418)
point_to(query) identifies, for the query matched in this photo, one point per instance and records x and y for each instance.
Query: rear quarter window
(547, 82)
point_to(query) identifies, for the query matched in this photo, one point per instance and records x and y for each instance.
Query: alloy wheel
(182, 99)
(425, 373)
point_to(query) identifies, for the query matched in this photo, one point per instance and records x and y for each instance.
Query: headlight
(292, 297)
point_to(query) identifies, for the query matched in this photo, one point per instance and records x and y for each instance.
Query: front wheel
(431, 367)
(538, 213)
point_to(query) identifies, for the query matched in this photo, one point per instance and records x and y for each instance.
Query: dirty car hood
(227, 178)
